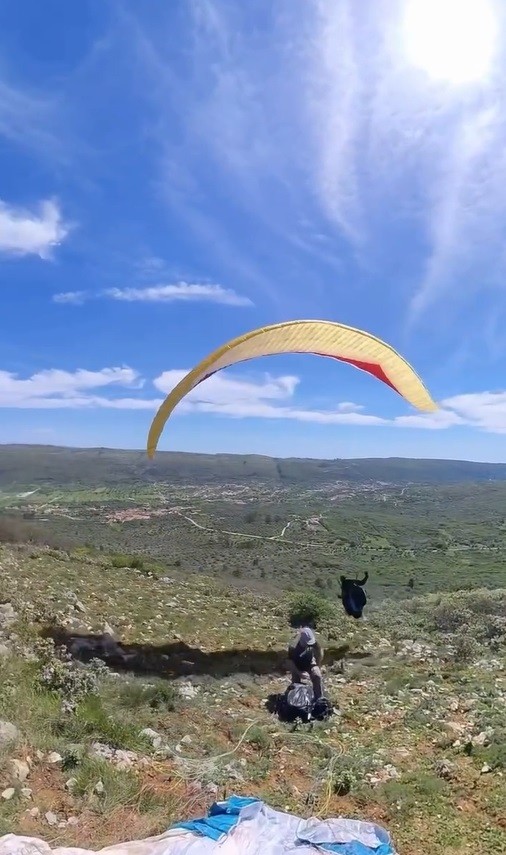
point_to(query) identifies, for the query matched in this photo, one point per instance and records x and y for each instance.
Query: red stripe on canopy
(372, 368)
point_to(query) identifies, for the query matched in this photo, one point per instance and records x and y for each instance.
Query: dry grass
(393, 707)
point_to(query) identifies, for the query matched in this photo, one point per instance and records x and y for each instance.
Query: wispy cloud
(244, 140)
(237, 397)
(183, 291)
(73, 298)
(29, 119)
(322, 118)
(468, 209)
(25, 232)
(177, 292)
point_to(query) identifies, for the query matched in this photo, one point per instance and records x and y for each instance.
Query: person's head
(307, 637)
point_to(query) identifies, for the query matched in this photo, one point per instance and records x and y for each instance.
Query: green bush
(135, 562)
(309, 610)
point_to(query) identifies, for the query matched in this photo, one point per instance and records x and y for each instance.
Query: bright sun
(451, 40)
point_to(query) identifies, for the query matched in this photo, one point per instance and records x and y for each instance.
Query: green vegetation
(310, 610)
(198, 579)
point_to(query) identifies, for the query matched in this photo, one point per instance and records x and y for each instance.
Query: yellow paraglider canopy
(321, 338)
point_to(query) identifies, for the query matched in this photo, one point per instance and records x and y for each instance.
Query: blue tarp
(220, 820)
(224, 816)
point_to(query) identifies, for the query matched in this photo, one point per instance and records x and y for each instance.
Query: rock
(186, 740)
(4, 651)
(124, 759)
(54, 757)
(481, 740)
(99, 788)
(99, 749)
(51, 818)
(154, 737)
(9, 734)
(187, 691)
(8, 615)
(19, 770)
(72, 820)
(8, 794)
(34, 812)
(455, 728)
(26, 792)
(485, 769)
(70, 784)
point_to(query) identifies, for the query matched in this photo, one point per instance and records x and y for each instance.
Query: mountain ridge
(62, 465)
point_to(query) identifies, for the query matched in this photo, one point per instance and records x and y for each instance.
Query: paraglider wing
(321, 338)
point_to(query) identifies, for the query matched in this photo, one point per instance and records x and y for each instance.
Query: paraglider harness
(353, 596)
(297, 703)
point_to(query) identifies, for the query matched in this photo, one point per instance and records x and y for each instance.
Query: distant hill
(32, 465)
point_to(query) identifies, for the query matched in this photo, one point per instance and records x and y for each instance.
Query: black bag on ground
(322, 710)
(297, 703)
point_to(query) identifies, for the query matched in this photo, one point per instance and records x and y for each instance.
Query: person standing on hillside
(305, 656)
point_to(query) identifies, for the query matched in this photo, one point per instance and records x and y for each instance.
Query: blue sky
(175, 174)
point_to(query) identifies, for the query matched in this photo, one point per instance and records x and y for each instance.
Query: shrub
(310, 610)
(134, 562)
(465, 645)
(448, 617)
(60, 675)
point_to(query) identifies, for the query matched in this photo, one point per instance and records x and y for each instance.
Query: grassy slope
(220, 624)
(414, 709)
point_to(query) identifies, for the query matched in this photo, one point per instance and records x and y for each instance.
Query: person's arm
(364, 580)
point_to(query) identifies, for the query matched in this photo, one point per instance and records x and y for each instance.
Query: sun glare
(450, 40)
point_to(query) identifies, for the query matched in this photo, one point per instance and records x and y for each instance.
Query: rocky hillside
(128, 700)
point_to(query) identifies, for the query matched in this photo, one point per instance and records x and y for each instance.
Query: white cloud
(74, 298)
(267, 399)
(485, 410)
(55, 388)
(236, 397)
(222, 389)
(240, 398)
(24, 232)
(184, 291)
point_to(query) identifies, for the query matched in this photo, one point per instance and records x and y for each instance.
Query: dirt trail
(237, 533)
